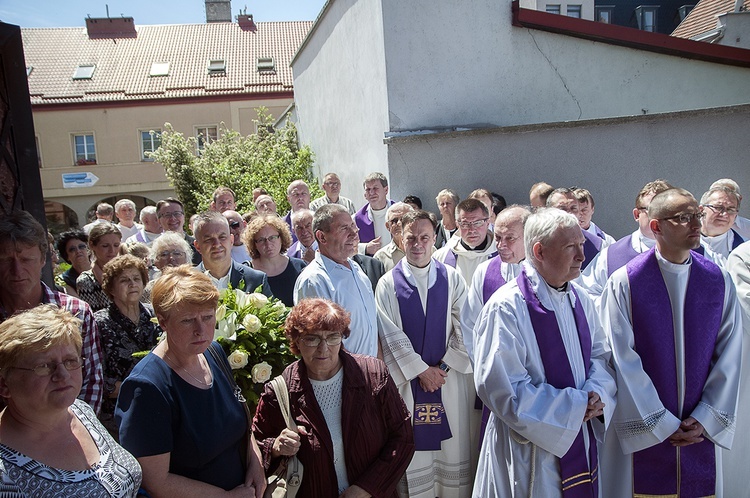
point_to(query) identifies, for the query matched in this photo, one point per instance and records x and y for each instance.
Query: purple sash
(591, 247)
(619, 253)
(295, 250)
(656, 470)
(737, 239)
(427, 336)
(599, 233)
(288, 220)
(493, 279)
(365, 224)
(577, 479)
(140, 237)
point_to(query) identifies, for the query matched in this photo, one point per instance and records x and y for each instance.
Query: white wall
(613, 158)
(736, 29)
(461, 62)
(340, 93)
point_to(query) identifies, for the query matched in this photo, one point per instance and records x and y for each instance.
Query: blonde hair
(183, 285)
(35, 331)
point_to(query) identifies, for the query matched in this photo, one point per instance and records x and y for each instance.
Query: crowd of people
(498, 351)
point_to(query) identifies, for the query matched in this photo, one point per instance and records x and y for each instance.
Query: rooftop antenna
(107, 7)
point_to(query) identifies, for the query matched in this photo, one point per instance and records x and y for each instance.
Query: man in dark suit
(214, 242)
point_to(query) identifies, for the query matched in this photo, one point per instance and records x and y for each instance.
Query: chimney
(246, 22)
(111, 27)
(218, 11)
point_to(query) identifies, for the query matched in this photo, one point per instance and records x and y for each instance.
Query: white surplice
(467, 260)
(533, 423)
(641, 420)
(450, 471)
(475, 299)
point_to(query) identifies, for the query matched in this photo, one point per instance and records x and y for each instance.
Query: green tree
(270, 159)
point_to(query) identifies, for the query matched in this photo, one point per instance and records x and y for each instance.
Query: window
(217, 66)
(204, 134)
(84, 72)
(28, 70)
(150, 141)
(266, 64)
(684, 11)
(646, 15)
(603, 13)
(159, 69)
(83, 149)
(553, 8)
(574, 11)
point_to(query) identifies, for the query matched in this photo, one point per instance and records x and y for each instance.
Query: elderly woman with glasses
(125, 327)
(51, 444)
(354, 432)
(267, 238)
(177, 410)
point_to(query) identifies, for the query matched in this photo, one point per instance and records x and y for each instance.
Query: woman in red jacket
(355, 436)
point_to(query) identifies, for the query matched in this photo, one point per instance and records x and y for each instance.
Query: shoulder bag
(286, 480)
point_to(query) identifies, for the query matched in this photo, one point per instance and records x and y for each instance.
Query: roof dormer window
(217, 66)
(159, 69)
(84, 72)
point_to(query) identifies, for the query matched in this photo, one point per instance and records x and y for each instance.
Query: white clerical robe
(450, 471)
(720, 244)
(637, 398)
(475, 299)
(734, 461)
(534, 423)
(467, 260)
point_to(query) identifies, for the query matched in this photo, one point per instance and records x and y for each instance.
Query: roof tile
(703, 17)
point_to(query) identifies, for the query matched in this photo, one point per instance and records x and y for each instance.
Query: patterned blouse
(120, 338)
(117, 474)
(90, 290)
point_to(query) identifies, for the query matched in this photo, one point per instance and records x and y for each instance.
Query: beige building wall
(116, 130)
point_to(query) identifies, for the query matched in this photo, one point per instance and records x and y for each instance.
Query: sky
(71, 13)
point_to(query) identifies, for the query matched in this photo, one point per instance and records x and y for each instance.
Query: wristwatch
(444, 367)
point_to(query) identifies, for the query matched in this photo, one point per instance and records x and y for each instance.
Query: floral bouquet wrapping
(250, 328)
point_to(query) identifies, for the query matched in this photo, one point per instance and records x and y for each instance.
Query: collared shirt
(350, 288)
(342, 201)
(128, 232)
(91, 391)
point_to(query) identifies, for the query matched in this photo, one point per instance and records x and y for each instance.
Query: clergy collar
(481, 247)
(409, 272)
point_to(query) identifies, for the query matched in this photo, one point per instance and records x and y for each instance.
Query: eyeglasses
(721, 209)
(234, 225)
(507, 239)
(686, 218)
(270, 238)
(332, 184)
(472, 224)
(47, 369)
(79, 247)
(394, 220)
(172, 254)
(175, 214)
(313, 341)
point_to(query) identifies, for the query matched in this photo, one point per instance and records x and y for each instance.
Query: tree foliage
(270, 159)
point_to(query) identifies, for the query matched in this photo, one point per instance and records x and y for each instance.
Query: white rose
(258, 300)
(226, 328)
(221, 312)
(252, 323)
(261, 372)
(279, 308)
(238, 359)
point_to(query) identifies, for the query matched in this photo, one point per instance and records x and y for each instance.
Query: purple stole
(619, 253)
(591, 247)
(656, 470)
(493, 278)
(599, 232)
(427, 336)
(295, 251)
(365, 224)
(577, 479)
(140, 237)
(288, 220)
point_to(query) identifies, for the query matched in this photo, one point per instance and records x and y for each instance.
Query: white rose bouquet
(250, 328)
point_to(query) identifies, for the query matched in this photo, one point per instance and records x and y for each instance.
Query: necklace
(199, 381)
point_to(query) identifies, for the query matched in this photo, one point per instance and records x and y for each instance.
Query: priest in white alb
(418, 306)
(676, 339)
(542, 366)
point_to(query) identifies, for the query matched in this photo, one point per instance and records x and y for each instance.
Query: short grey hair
(207, 217)
(724, 189)
(168, 239)
(296, 183)
(541, 227)
(515, 213)
(376, 176)
(149, 210)
(299, 214)
(449, 193)
(324, 217)
(124, 202)
(398, 205)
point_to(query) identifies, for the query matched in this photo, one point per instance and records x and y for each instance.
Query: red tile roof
(123, 64)
(703, 17)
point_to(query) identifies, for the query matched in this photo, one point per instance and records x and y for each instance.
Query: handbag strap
(278, 384)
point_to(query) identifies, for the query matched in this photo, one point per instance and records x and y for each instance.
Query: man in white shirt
(236, 226)
(586, 212)
(223, 199)
(104, 213)
(332, 187)
(298, 195)
(333, 275)
(125, 211)
(676, 341)
(150, 229)
(721, 206)
(542, 366)
(741, 224)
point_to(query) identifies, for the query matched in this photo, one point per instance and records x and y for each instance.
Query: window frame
(640, 12)
(200, 138)
(553, 8)
(148, 132)
(609, 9)
(574, 6)
(85, 160)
